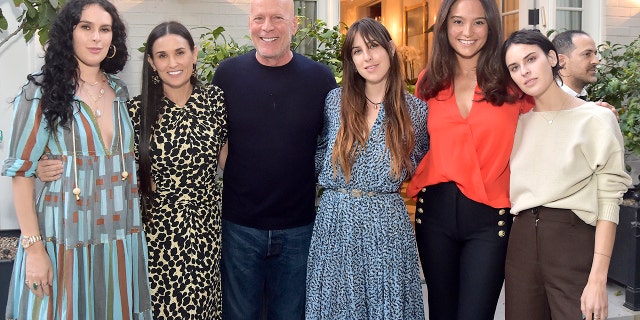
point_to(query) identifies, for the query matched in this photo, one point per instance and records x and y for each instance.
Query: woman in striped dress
(83, 252)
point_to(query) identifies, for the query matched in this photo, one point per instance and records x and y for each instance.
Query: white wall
(622, 21)
(141, 16)
(17, 58)
(16, 61)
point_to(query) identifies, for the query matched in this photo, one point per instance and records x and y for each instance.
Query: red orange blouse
(473, 152)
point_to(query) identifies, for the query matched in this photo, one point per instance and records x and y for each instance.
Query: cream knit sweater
(570, 159)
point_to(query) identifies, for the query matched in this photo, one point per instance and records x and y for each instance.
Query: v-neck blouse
(473, 151)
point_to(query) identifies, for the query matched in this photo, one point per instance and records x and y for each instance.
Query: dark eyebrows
(176, 50)
(525, 58)
(91, 23)
(474, 19)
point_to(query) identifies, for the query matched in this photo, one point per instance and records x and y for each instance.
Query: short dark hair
(564, 41)
(531, 37)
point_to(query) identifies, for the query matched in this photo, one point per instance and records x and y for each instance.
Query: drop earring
(155, 78)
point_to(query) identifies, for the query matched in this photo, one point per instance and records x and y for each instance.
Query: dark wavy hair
(353, 133)
(60, 69)
(492, 79)
(531, 37)
(151, 101)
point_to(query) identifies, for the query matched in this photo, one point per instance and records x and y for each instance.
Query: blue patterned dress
(96, 244)
(363, 261)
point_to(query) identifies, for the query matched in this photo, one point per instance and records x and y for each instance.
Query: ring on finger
(35, 286)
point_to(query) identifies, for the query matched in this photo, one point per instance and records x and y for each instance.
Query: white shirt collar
(570, 91)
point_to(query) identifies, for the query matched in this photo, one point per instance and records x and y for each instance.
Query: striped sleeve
(29, 136)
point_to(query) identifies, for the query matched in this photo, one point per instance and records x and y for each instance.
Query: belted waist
(359, 193)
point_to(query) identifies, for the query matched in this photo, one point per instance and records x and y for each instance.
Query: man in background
(578, 59)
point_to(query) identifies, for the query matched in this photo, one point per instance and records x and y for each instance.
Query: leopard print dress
(184, 219)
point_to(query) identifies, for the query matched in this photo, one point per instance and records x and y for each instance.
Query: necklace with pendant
(376, 105)
(97, 111)
(549, 121)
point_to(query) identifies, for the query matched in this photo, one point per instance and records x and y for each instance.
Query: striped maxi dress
(96, 244)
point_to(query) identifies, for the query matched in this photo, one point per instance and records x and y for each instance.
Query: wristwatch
(28, 241)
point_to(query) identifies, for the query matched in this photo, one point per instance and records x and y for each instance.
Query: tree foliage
(313, 39)
(619, 84)
(36, 17)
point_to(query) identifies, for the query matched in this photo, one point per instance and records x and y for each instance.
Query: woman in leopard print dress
(180, 131)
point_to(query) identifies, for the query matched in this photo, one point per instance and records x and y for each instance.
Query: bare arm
(222, 157)
(594, 300)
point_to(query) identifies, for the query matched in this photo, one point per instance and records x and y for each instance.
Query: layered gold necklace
(88, 87)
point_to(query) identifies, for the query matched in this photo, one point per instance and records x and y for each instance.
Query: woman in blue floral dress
(363, 261)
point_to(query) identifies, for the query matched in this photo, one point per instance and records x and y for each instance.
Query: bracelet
(602, 254)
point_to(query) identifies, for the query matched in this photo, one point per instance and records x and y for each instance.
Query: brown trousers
(548, 262)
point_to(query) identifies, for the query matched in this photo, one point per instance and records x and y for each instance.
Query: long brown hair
(492, 79)
(353, 132)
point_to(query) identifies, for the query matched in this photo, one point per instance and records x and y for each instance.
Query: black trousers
(462, 246)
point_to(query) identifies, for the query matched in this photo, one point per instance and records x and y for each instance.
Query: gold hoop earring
(114, 52)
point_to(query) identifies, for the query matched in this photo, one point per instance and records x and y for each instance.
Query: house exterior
(407, 20)
(617, 21)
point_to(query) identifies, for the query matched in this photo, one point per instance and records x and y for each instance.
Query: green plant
(320, 43)
(619, 85)
(215, 47)
(313, 39)
(36, 17)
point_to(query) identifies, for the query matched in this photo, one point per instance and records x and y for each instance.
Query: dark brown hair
(353, 132)
(492, 79)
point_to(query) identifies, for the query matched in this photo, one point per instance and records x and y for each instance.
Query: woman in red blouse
(462, 184)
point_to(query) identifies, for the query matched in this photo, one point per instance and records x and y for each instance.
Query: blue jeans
(264, 266)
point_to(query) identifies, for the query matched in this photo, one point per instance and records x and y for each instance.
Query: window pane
(569, 3)
(568, 20)
(510, 24)
(509, 5)
(306, 9)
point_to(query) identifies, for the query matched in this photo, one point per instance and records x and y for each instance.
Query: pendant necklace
(549, 121)
(376, 105)
(97, 112)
